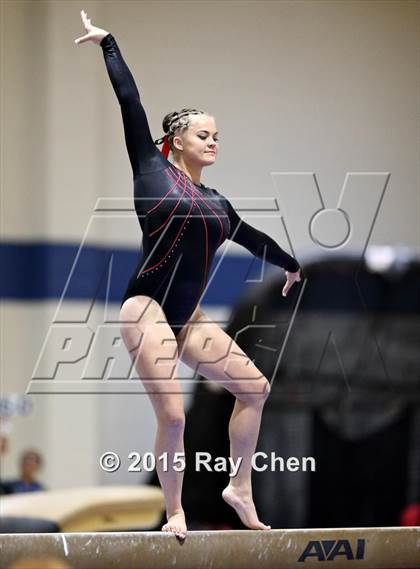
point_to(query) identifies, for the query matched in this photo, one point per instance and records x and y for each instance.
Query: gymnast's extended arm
(259, 243)
(139, 142)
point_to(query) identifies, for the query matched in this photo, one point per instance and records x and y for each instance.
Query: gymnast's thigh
(209, 351)
(145, 314)
(147, 335)
(154, 352)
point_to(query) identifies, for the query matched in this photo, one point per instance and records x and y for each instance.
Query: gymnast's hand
(291, 278)
(93, 34)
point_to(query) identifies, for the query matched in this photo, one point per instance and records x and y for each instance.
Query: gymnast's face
(199, 143)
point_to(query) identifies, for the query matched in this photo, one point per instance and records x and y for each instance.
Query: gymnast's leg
(209, 351)
(153, 349)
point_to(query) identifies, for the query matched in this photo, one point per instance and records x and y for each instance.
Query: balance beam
(333, 548)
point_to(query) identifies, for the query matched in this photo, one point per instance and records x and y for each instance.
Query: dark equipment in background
(346, 390)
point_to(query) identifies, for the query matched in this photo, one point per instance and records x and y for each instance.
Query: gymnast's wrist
(106, 38)
(294, 266)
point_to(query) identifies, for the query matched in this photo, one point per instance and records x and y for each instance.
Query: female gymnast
(183, 223)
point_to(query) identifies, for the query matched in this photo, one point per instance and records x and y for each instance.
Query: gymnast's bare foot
(176, 524)
(241, 501)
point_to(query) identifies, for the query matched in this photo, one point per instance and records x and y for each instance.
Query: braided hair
(174, 123)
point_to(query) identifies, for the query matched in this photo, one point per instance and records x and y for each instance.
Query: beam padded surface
(369, 548)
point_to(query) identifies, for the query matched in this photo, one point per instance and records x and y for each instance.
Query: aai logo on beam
(330, 549)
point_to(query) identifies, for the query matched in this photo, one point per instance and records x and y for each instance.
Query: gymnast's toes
(176, 524)
(244, 506)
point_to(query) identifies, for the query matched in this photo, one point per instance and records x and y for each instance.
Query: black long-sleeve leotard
(183, 223)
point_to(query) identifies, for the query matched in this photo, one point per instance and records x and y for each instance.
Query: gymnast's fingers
(83, 39)
(86, 21)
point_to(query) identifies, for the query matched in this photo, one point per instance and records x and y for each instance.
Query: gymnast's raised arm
(139, 142)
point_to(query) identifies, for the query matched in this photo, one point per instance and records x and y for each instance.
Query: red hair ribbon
(166, 146)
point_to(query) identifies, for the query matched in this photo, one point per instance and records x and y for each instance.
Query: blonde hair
(176, 122)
